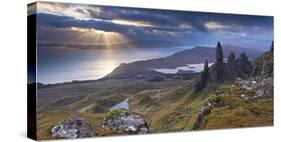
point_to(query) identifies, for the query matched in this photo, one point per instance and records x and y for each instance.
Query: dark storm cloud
(192, 27)
(167, 19)
(49, 20)
(56, 21)
(157, 18)
(176, 18)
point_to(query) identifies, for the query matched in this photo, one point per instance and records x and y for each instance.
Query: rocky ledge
(123, 121)
(72, 127)
(263, 88)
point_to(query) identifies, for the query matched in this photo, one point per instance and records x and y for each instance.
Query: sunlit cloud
(216, 26)
(185, 26)
(86, 30)
(237, 34)
(159, 32)
(76, 11)
(84, 12)
(132, 23)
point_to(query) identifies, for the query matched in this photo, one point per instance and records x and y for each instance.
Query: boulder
(123, 121)
(72, 127)
(246, 97)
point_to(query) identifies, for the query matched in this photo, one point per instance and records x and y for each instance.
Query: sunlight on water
(60, 64)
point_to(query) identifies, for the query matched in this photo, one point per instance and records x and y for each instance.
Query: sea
(63, 64)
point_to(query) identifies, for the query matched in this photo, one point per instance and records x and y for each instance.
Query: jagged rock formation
(221, 71)
(247, 83)
(204, 78)
(122, 120)
(72, 127)
(229, 70)
(219, 66)
(244, 65)
(263, 66)
(231, 67)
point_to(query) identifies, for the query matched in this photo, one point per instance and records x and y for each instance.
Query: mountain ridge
(189, 56)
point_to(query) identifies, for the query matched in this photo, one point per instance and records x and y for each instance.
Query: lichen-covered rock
(122, 120)
(72, 127)
(264, 64)
(262, 88)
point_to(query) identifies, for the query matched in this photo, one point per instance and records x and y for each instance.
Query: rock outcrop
(231, 67)
(261, 79)
(72, 127)
(203, 79)
(263, 88)
(245, 67)
(219, 66)
(123, 121)
(206, 109)
(263, 66)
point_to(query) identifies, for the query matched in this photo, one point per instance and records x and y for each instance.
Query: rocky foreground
(122, 120)
(73, 127)
(118, 120)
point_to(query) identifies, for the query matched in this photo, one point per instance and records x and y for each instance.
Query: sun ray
(106, 39)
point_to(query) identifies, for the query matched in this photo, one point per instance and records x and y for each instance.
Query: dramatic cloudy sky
(104, 26)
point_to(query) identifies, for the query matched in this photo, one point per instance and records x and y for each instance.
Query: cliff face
(263, 65)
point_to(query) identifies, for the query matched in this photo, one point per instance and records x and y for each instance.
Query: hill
(190, 56)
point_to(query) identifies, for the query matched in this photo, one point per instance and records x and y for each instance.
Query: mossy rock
(116, 113)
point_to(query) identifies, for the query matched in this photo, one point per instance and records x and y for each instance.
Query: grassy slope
(180, 114)
(242, 113)
(176, 109)
(161, 104)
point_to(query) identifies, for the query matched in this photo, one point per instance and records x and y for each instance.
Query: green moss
(250, 92)
(241, 114)
(207, 111)
(115, 113)
(219, 100)
(264, 108)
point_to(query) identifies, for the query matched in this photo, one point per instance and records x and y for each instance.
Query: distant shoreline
(176, 60)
